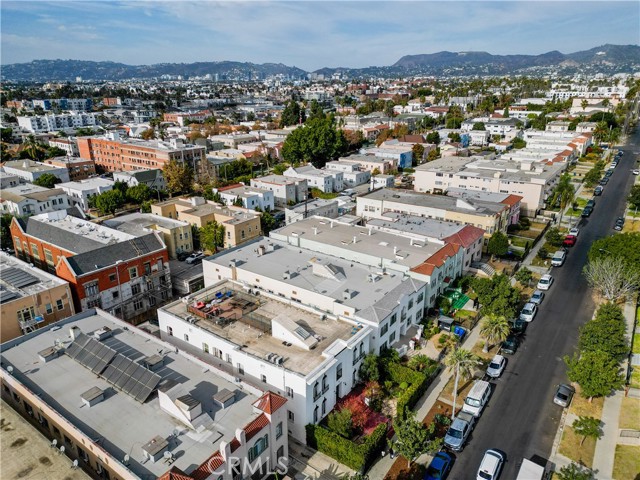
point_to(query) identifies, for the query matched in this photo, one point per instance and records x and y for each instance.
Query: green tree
(140, 193)
(454, 137)
(316, 142)
(564, 193)
(413, 438)
(554, 236)
(625, 247)
(497, 296)
(600, 132)
(463, 362)
(494, 330)
(47, 180)
(498, 244)
(178, 177)
(433, 137)
(518, 143)
(369, 370)
(341, 422)
(212, 236)
(267, 223)
(596, 372)
(587, 427)
(606, 332)
(292, 114)
(420, 362)
(122, 186)
(634, 196)
(524, 276)
(417, 153)
(5, 232)
(574, 472)
(478, 126)
(109, 202)
(315, 111)
(592, 177)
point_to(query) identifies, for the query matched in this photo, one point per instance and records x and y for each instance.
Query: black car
(608, 173)
(587, 212)
(619, 223)
(182, 256)
(518, 326)
(604, 181)
(598, 190)
(510, 345)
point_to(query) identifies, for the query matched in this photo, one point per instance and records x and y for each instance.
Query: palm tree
(564, 192)
(495, 329)
(464, 362)
(420, 362)
(601, 131)
(584, 104)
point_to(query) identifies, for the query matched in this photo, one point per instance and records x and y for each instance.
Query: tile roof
(270, 402)
(175, 474)
(511, 200)
(213, 463)
(466, 236)
(437, 259)
(252, 429)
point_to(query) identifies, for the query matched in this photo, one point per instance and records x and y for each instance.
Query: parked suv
(195, 258)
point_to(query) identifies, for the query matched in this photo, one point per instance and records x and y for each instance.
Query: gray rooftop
(31, 166)
(120, 424)
(19, 279)
(312, 204)
(87, 184)
(414, 225)
(139, 224)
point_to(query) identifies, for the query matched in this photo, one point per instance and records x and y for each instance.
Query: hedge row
(358, 456)
(418, 383)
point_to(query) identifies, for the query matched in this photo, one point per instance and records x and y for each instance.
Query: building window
(392, 337)
(59, 304)
(138, 304)
(240, 369)
(133, 272)
(48, 308)
(324, 406)
(16, 242)
(228, 358)
(384, 329)
(135, 289)
(91, 289)
(263, 378)
(278, 430)
(48, 257)
(205, 348)
(170, 331)
(394, 318)
(315, 415)
(94, 303)
(339, 372)
(289, 392)
(147, 268)
(115, 294)
(34, 251)
(26, 314)
(186, 337)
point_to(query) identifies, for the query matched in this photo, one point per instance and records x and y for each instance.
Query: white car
(574, 231)
(545, 282)
(491, 465)
(635, 172)
(528, 312)
(496, 367)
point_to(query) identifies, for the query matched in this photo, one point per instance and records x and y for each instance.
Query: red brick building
(118, 272)
(78, 168)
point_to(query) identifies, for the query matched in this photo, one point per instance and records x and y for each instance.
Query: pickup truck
(459, 431)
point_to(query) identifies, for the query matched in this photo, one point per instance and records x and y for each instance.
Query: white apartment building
(81, 191)
(370, 163)
(534, 182)
(326, 181)
(316, 206)
(53, 123)
(8, 180)
(30, 170)
(286, 190)
(251, 197)
(382, 181)
(352, 173)
(29, 199)
(152, 178)
(69, 145)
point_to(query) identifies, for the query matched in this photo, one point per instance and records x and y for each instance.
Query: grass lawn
(529, 234)
(630, 413)
(537, 226)
(631, 226)
(636, 341)
(519, 241)
(486, 357)
(464, 386)
(635, 378)
(626, 463)
(538, 262)
(570, 447)
(581, 202)
(582, 408)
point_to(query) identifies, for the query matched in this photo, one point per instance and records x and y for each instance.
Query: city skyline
(309, 35)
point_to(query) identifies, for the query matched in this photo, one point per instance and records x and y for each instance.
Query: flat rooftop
(31, 166)
(411, 224)
(19, 279)
(120, 424)
(250, 326)
(141, 223)
(87, 184)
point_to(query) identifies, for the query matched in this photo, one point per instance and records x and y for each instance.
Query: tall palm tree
(495, 329)
(565, 192)
(420, 362)
(601, 131)
(464, 362)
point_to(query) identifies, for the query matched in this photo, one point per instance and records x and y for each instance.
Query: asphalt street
(520, 418)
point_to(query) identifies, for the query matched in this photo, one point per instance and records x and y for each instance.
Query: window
(170, 331)
(339, 372)
(315, 415)
(16, 242)
(291, 416)
(394, 318)
(48, 308)
(147, 268)
(186, 337)
(289, 391)
(26, 314)
(135, 289)
(384, 329)
(94, 303)
(392, 337)
(48, 257)
(34, 250)
(420, 297)
(263, 378)
(278, 430)
(91, 289)
(133, 272)
(115, 294)
(240, 369)
(324, 406)
(228, 358)
(59, 304)
(138, 304)
(205, 348)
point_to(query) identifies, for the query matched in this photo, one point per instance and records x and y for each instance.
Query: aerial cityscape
(311, 240)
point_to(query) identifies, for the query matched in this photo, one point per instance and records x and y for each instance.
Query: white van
(477, 398)
(558, 258)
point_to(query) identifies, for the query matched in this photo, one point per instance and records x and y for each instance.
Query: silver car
(537, 297)
(563, 395)
(528, 312)
(496, 367)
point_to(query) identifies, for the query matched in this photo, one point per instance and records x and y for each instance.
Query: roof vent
(92, 396)
(103, 333)
(348, 294)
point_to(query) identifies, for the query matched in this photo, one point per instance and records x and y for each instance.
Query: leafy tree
(178, 176)
(315, 110)
(606, 332)
(624, 247)
(316, 142)
(554, 236)
(592, 177)
(148, 134)
(369, 370)
(524, 276)
(267, 223)
(212, 236)
(464, 363)
(417, 153)
(5, 232)
(497, 296)
(413, 438)
(47, 180)
(109, 202)
(494, 330)
(518, 143)
(634, 196)
(596, 372)
(478, 126)
(292, 114)
(341, 422)
(498, 244)
(574, 472)
(454, 137)
(563, 193)
(587, 427)
(279, 168)
(420, 362)
(612, 277)
(433, 154)
(433, 137)
(122, 186)
(140, 193)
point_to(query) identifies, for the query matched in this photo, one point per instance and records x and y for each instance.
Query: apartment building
(69, 145)
(352, 173)
(119, 272)
(240, 224)
(382, 181)
(30, 170)
(30, 298)
(77, 168)
(8, 180)
(233, 140)
(81, 191)
(29, 199)
(326, 181)
(533, 181)
(513, 202)
(181, 118)
(115, 154)
(316, 206)
(251, 197)
(152, 178)
(490, 216)
(176, 234)
(467, 237)
(371, 163)
(286, 190)
(54, 123)
(401, 155)
(126, 405)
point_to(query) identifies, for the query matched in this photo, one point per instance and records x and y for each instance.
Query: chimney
(74, 332)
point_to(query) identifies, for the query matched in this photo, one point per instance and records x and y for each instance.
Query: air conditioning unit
(278, 360)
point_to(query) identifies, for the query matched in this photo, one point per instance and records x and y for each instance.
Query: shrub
(444, 304)
(417, 384)
(543, 253)
(340, 422)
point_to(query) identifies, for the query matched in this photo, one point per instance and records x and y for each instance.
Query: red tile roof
(229, 187)
(252, 429)
(269, 402)
(437, 259)
(466, 236)
(511, 200)
(175, 474)
(212, 465)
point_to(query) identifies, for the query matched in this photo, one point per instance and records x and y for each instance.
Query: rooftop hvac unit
(278, 360)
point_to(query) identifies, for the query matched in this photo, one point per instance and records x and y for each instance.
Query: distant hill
(605, 59)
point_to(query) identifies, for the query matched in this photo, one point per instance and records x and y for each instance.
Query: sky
(306, 34)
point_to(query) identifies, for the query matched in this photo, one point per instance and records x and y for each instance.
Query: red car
(569, 240)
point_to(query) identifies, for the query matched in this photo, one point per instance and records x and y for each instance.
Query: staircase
(485, 267)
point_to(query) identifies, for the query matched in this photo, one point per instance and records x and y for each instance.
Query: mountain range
(604, 59)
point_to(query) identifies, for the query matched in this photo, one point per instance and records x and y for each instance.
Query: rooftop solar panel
(18, 278)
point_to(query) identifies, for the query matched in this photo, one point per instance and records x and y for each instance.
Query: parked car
(574, 231)
(518, 327)
(182, 256)
(591, 203)
(510, 345)
(545, 282)
(635, 172)
(619, 223)
(558, 258)
(564, 394)
(491, 465)
(459, 430)
(439, 467)
(604, 181)
(569, 240)
(496, 366)
(608, 173)
(614, 164)
(598, 190)
(195, 258)
(528, 312)
(537, 297)
(586, 212)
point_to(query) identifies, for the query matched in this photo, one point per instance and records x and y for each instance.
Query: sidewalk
(422, 408)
